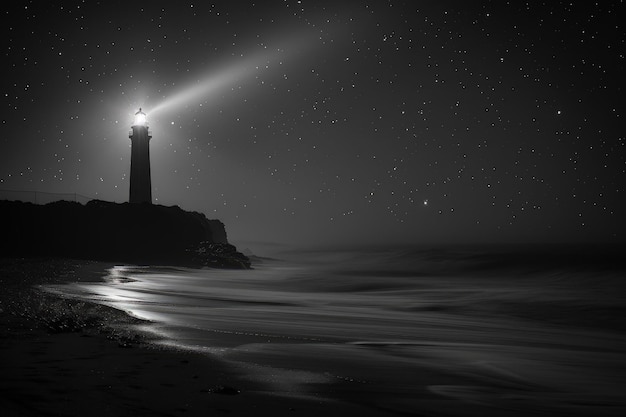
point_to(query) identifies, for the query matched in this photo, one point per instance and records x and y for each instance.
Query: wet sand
(65, 357)
(103, 371)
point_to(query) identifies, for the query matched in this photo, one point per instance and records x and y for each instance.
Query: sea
(510, 329)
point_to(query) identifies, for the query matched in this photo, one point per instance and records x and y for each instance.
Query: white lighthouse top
(140, 118)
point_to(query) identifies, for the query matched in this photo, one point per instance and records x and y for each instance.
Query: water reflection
(483, 338)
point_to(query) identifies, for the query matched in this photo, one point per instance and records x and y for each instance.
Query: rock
(219, 255)
(100, 230)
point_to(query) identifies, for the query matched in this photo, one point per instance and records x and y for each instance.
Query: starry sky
(300, 122)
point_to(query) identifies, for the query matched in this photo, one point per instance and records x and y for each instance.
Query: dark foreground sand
(63, 357)
(67, 358)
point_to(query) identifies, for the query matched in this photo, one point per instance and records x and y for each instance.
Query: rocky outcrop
(139, 233)
(218, 255)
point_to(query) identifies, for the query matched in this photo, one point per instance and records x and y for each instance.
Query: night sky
(327, 121)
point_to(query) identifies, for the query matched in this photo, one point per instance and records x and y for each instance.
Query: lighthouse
(140, 183)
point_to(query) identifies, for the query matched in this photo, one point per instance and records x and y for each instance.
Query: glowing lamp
(140, 118)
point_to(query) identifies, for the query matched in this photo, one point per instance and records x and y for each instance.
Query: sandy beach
(101, 369)
(288, 339)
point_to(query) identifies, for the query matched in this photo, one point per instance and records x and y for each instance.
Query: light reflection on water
(478, 337)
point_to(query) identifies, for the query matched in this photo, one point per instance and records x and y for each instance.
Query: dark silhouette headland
(137, 231)
(99, 230)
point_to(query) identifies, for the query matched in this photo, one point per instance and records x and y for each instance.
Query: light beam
(226, 76)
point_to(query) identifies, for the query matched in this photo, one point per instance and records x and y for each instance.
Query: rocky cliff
(138, 233)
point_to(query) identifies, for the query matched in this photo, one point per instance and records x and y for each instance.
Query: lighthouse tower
(140, 183)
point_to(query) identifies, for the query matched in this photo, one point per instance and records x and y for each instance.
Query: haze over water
(507, 331)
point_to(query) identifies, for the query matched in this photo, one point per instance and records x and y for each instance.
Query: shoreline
(62, 357)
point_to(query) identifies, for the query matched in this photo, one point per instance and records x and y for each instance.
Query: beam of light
(226, 76)
(203, 88)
